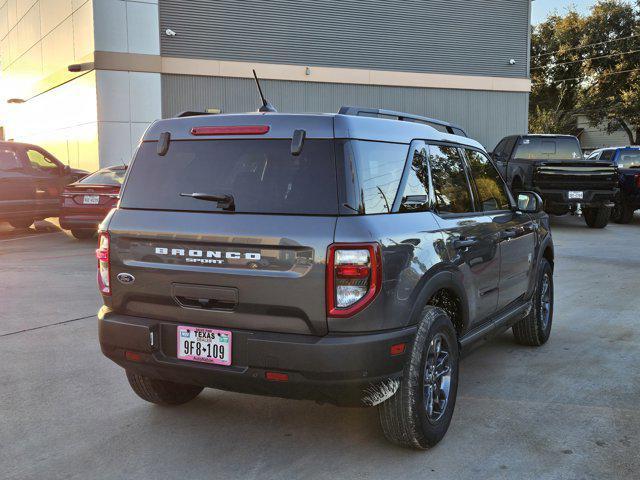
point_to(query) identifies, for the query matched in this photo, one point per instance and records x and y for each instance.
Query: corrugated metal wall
(487, 116)
(473, 37)
(597, 137)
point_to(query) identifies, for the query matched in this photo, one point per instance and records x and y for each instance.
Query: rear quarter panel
(412, 247)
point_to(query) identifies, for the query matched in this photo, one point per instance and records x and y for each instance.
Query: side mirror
(529, 202)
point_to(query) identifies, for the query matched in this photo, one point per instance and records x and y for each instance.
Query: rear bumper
(81, 221)
(339, 369)
(590, 197)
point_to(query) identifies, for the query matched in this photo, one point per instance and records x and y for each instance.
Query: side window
(508, 147)
(41, 163)
(607, 155)
(415, 197)
(9, 160)
(449, 179)
(499, 148)
(492, 194)
(378, 168)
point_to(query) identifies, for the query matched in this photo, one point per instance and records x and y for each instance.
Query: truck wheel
(419, 413)
(162, 392)
(22, 223)
(83, 234)
(622, 213)
(535, 328)
(597, 217)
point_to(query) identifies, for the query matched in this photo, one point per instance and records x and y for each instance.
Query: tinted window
(492, 194)
(9, 160)
(41, 163)
(607, 155)
(261, 175)
(415, 197)
(106, 176)
(552, 148)
(373, 171)
(450, 185)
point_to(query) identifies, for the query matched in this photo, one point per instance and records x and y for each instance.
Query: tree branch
(627, 130)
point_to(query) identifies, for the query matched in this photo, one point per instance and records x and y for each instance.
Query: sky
(542, 8)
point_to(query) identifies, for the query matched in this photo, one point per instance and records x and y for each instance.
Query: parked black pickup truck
(553, 166)
(627, 159)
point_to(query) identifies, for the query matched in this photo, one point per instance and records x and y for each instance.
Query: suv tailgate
(235, 271)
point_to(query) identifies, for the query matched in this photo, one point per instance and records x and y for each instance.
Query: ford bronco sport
(345, 258)
(553, 166)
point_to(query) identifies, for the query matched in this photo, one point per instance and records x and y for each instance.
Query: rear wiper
(225, 202)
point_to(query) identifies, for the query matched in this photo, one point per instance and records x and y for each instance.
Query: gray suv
(346, 258)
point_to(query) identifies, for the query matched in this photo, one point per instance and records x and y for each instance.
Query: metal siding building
(463, 39)
(465, 61)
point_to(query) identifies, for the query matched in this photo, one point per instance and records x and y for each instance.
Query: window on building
(449, 179)
(492, 194)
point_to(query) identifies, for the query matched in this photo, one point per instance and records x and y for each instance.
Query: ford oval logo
(126, 278)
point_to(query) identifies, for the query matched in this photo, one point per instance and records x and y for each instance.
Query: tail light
(354, 277)
(102, 254)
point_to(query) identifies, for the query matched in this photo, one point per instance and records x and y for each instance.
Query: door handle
(465, 242)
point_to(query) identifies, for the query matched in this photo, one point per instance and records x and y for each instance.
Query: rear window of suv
(551, 148)
(261, 175)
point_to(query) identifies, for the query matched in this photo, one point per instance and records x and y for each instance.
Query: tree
(611, 92)
(554, 57)
(590, 65)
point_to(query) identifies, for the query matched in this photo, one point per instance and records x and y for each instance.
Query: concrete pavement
(567, 410)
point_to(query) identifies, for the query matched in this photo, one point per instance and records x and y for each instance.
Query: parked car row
(554, 167)
(35, 185)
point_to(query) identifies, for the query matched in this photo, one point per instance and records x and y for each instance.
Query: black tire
(535, 328)
(162, 392)
(22, 223)
(597, 217)
(404, 417)
(622, 213)
(82, 234)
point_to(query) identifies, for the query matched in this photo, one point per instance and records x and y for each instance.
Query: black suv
(554, 167)
(343, 258)
(31, 181)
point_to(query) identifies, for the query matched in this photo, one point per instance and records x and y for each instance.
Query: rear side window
(450, 184)
(552, 148)
(261, 175)
(372, 172)
(106, 177)
(9, 160)
(42, 163)
(492, 194)
(415, 197)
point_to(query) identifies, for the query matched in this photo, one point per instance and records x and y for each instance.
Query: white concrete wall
(127, 101)
(39, 38)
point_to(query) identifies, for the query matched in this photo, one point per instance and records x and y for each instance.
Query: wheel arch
(443, 289)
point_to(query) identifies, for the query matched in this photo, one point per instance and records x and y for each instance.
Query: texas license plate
(576, 195)
(205, 345)
(91, 199)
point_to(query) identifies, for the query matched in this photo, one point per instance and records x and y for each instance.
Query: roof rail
(403, 117)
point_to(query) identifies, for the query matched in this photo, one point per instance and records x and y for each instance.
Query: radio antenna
(266, 106)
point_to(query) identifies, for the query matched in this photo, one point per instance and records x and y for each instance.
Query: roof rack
(403, 117)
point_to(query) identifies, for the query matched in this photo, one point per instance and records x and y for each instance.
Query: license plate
(91, 199)
(205, 345)
(576, 195)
